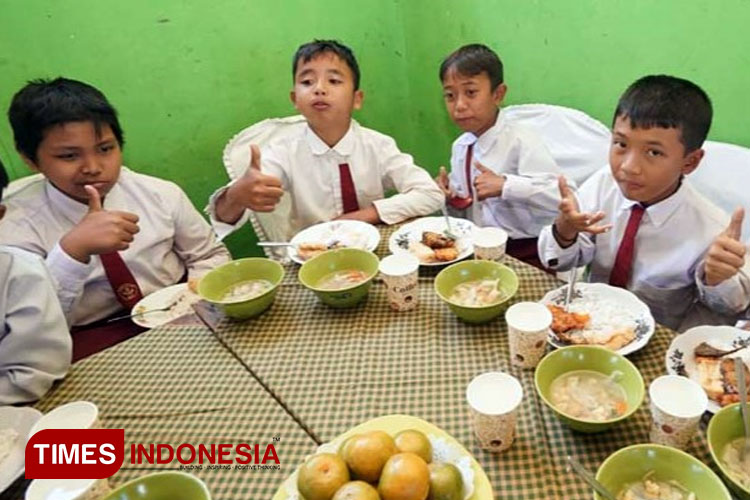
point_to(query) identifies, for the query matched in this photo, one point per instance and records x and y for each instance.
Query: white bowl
(75, 415)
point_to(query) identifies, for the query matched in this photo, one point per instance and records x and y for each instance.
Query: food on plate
(477, 293)
(321, 476)
(414, 441)
(246, 290)
(717, 373)
(437, 240)
(651, 489)
(738, 469)
(405, 476)
(356, 490)
(434, 247)
(307, 251)
(446, 482)
(366, 454)
(8, 438)
(446, 254)
(342, 279)
(593, 321)
(588, 395)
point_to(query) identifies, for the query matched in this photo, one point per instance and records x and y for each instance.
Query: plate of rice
(15, 424)
(331, 235)
(599, 314)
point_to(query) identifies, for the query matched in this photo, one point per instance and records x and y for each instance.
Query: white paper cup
(400, 273)
(677, 404)
(75, 415)
(67, 489)
(528, 328)
(493, 399)
(489, 243)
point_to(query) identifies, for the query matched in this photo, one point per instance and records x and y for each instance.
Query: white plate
(348, 233)
(680, 359)
(178, 295)
(462, 228)
(21, 420)
(619, 297)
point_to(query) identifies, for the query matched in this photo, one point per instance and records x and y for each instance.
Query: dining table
(303, 373)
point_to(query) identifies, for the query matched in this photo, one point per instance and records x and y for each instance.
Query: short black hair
(3, 179)
(308, 51)
(668, 102)
(473, 59)
(42, 104)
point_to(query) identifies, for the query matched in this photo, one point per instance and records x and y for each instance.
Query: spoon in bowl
(590, 479)
(739, 368)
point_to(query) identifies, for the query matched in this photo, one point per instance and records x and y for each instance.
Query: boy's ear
(359, 96)
(2, 210)
(293, 98)
(499, 93)
(692, 160)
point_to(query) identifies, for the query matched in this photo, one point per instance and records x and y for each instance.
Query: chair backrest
(579, 144)
(18, 184)
(271, 226)
(723, 177)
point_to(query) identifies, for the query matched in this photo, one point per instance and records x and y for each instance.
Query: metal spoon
(739, 368)
(165, 307)
(276, 244)
(590, 479)
(571, 284)
(448, 232)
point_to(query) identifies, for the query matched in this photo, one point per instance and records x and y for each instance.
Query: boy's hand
(256, 190)
(487, 184)
(726, 255)
(571, 220)
(100, 231)
(444, 183)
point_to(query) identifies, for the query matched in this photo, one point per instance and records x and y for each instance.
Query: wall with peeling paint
(186, 75)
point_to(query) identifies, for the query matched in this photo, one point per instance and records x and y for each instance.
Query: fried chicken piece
(437, 240)
(446, 254)
(729, 376)
(564, 321)
(309, 250)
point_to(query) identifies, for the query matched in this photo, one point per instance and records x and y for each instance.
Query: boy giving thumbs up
(109, 235)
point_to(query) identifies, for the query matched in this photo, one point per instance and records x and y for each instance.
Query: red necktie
(121, 280)
(462, 203)
(348, 193)
(620, 273)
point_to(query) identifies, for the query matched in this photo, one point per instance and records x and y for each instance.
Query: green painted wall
(186, 75)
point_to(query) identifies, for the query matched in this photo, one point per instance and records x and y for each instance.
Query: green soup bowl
(472, 270)
(162, 486)
(215, 285)
(321, 266)
(725, 427)
(592, 358)
(629, 465)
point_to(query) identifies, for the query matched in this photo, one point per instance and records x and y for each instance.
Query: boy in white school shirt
(640, 224)
(109, 235)
(502, 174)
(35, 345)
(334, 168)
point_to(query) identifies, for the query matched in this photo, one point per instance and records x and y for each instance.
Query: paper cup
(489, 243)
(493, 399)
(528, 328)
(677, 404)
(67, 489)
(400, 273)
(76, 415)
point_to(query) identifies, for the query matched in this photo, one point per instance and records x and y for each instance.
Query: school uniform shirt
(309, 172)
(173, 238)
(670, 245)
(35, 345)
(530, 196)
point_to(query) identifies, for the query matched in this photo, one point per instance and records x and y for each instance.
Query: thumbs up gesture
(256, 190)
(571, 220)
(726, 255)
(100, 231)
(487, 184)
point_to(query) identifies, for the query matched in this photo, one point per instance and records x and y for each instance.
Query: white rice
(607, 316)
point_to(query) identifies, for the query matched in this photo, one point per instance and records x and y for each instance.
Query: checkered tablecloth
(175, 385)
(307, 373)
(334, 369)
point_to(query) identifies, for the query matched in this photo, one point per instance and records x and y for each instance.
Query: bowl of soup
(162, 486)
(664, 472)
(477, 291)
(341, 278)
(589, 388)
(242, 288)
(725, 440)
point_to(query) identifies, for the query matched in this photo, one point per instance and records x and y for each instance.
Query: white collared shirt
(173, 237)
(530, 196)
(309, 171)
(35, 345)
(670, 246)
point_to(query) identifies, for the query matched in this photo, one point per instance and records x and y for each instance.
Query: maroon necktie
(462, 203)
(348, 193)
(121, 280)
(620, 273)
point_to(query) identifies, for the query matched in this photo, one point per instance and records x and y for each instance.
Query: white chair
(723, 176)
(271, 226)
(578, 143)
